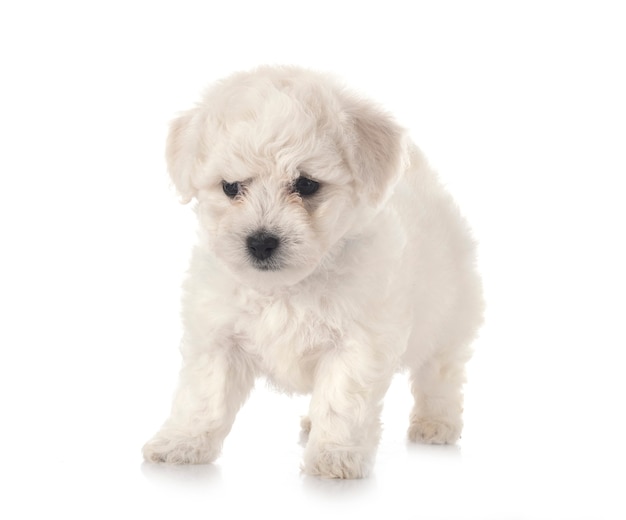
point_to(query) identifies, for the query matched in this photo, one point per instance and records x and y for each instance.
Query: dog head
(284, 163)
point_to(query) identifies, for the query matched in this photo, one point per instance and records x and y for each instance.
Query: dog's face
(284, 164)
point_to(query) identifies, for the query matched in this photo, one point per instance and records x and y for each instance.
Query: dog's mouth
(266, 265)
(277, 271)
(269, 258)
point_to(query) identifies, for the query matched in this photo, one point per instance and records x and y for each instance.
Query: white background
(520, 106)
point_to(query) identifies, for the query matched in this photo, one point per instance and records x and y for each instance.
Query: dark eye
(231, 189)
(305, 187)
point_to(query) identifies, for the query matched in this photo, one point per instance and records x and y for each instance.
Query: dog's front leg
(345, 413)
(212, 387)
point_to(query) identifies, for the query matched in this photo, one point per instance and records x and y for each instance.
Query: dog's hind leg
(437, 386)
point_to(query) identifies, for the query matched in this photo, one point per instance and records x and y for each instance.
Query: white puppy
(329, 257)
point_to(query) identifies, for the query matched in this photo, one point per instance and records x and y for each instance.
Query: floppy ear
(184, 152)
(377, 149)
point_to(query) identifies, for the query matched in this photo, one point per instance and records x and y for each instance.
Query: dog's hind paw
(428, 430)
(337, 464)
(305, 429)
(305, 424)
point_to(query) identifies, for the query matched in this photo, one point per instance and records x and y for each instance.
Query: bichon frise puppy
(329, 258)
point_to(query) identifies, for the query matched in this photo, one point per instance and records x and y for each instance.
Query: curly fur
(374, 273)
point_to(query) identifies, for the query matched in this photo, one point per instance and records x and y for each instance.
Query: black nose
(262, 245)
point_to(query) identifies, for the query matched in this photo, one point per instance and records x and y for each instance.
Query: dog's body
(329, 258)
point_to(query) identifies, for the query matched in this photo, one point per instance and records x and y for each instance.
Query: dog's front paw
(336, 463)
(175, 447)
(429, 430)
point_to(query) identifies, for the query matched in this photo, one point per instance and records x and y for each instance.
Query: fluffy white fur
(373, 273)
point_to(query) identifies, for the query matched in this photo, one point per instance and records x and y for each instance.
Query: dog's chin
(283, 270)
(267, 276)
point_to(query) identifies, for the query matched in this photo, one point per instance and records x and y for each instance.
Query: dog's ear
(377, 148)
(184, 152)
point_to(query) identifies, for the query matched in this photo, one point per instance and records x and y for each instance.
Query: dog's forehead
(275, 147)
(277, 90)
(275, 128)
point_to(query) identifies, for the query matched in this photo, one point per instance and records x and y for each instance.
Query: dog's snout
(262, 245)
